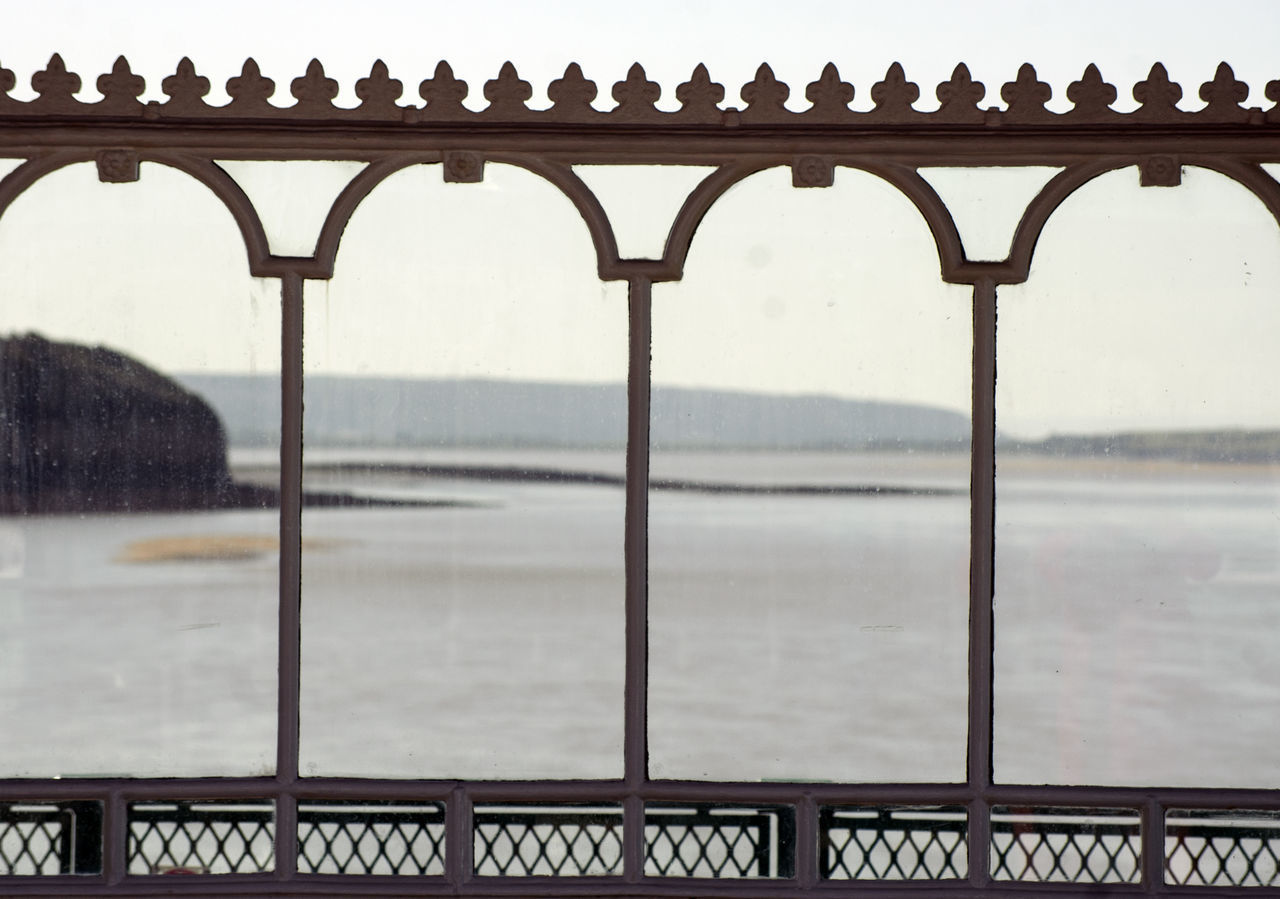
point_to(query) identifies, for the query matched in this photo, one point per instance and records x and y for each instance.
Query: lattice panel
(341, 839)
(1066, 846)
(514, 843)
(894, 844)
(1221, 849)
(711, 842)
(201, 838)
(47, 838)
(31, 843)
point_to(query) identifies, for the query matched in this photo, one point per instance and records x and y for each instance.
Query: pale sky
(793, 301)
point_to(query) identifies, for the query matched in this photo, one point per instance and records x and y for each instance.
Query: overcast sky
(763, 306)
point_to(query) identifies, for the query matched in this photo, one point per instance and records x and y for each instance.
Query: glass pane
(894, 843)
(201, 837)
(719, 841)
(1222, 847)
(528, 840)
(292, 198)
(987, 203)
(1066, 845)
(1137, 551)
(371, 838)
(642, 201)
(138, 572)
(465, 382)
(39, 839)
(809, 519)
(8, 165)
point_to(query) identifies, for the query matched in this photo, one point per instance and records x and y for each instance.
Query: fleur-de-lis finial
(572, 93)
(765, 97)
(1026, 97)
(959, 97)
(314, 91)
(1158, 95)
(379, 92)
(636, 95)
(250, 91)
(507, 93)
(700, 97)
(121, 89)
(56, 86)
(444, 93)
(186, 90)
(7, 81)
(893, 97)
(1223, 96)
(829, 95)
(1092, 96)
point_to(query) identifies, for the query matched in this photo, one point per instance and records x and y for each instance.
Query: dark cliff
(89, 429)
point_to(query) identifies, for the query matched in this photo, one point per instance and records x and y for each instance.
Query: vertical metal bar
(766, 833)
(806, 848)
(87, 840)
(67, 840)
(636, 560)
(981, 585)
(290, 630)
(459, 839)
(785, 851)
(115, 833)
(1153, 830)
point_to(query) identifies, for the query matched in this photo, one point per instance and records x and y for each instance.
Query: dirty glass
(1137, 543)
(809, 514)
(463, 501)
(138, 566)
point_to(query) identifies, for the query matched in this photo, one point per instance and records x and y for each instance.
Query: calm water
(811, 637)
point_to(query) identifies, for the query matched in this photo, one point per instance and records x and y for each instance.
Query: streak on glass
(987, 203)
(809, 518)
(292, 198)
(1138, 508)
(138, 572)
(462, 533)
(642, 201)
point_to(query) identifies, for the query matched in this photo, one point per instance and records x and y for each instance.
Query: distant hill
(1227, 445)
(475, 412)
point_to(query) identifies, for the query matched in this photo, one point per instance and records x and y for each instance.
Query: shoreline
(532, 474)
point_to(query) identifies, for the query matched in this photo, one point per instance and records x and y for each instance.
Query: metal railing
(1077, 846)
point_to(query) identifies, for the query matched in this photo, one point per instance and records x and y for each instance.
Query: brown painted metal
(982, 507)
(636, 559)
(891, 141)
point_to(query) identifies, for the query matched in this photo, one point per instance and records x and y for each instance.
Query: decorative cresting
(382, 99)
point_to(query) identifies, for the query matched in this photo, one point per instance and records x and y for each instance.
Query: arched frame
(892, 141)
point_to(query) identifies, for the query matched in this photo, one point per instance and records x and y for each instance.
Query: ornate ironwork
(763, 99)
(371, 839)
(894, 844)
(201, 838)
(801, 834)
(1066, 845)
